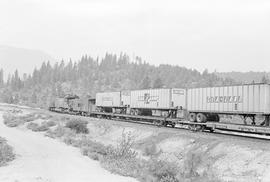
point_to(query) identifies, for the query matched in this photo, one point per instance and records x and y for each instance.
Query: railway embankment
(154, 154)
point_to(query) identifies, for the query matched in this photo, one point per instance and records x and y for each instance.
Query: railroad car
(165, 102)
(73, 104)
(83, 106)
(247, 101)
(60, 104)
(113, 102)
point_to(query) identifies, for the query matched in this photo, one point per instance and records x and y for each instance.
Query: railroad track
(178, 127)
(216, 132)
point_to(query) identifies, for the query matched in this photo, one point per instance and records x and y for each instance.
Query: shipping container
(108, 99)
(164, 98)
(241, 99)
(125, 98)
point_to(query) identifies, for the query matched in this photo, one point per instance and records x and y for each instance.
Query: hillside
(12, 58)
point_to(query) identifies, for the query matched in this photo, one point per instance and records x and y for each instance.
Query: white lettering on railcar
(224, 99)
(147, 98)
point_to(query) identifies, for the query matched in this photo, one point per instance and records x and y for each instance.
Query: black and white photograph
(134, 91)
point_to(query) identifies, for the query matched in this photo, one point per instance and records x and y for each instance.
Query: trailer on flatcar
(247, 101)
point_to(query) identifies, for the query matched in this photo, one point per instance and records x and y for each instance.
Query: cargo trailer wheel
(217, 118)
(192, 117)
(132, 112)
(201, 118)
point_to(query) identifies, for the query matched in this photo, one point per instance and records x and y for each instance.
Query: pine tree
(158, 83)
(264, 79)
(146, 83)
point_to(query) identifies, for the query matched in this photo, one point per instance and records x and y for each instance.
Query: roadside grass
(6, 152)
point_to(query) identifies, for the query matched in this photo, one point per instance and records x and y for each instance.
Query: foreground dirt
(226, 158)
(41, 159)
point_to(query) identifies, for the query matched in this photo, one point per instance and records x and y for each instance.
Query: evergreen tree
(146, 83)
(158, 83)
(264, 79)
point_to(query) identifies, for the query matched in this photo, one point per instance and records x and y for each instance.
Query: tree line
(90, 75)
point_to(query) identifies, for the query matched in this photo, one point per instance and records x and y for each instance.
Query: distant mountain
(25, 60)
(245, 77)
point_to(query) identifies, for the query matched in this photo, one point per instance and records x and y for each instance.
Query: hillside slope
(12, 58)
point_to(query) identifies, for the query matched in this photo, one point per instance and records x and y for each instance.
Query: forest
(90, 75)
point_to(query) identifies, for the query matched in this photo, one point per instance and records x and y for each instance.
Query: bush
(6, 152)
(32, 126)
(35, 127)
(122, 159)
(49, 123)
(162, 170)
(11, 121)
(59, 132)
(124, 148)
(94, 150)
(150, 149)
(78, 126)
(42, 128)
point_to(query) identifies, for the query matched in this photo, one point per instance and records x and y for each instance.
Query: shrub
(11, 121)
(124, 148)
(94, 148)
(150, 149)
(29, 117)
(49, 123)
(6, 152)
(43, 128)
(59, 132)
(162, 170)
(78, 126)
(122, 159)
(32, 126)
(35, 127)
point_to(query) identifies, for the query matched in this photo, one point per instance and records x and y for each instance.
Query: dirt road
(42, 159)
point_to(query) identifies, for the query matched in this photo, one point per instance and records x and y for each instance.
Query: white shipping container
(252, 98)
(158, 98)
(108, 99)
(179, 98)
(125, 98)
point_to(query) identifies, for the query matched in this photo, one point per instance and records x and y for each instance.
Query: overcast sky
(225, 35)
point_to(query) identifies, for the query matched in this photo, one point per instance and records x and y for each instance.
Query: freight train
(195, 107)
